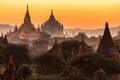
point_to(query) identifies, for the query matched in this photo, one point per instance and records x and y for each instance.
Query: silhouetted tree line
(92, 66)
(20, 54)
(87, 67)
(117, 44)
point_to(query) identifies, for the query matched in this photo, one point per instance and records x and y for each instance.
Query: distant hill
(4, 28)
(96, 33)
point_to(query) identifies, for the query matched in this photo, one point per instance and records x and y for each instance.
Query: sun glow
(85, 14)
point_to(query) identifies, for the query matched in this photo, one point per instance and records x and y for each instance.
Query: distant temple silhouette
(11, 72)
(106, 45)
(3, 39)
(27, 31)
(83, 47)
(52, 26)
(56, 49)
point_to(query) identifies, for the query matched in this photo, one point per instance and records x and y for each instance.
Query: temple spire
(15, 28)
(38, 28)
(82, 37)
(52, 18)
(11, 59)
(107, 36)
(11, 64)
(106, 45)
(2, 35)
(55, 40)
(51, 11)
(106, 31)
(27, 18)
(27, 7)
(10, 72)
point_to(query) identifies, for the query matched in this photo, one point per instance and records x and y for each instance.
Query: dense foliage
(117, 45)
(25, 71)
(94, 62)
(87, 67)
(49, 64)
(69, 47)
(20, 54)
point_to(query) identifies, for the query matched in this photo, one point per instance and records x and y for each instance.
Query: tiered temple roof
(52, 26)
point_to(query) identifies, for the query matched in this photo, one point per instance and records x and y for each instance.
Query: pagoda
(84, 48)
(26, 33)
(52, 26)
(10, 72)
(56, 49)
(106, 45)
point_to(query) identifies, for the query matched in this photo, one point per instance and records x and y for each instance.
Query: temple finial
(82, 37)
(106, 24)
(27, 3)
(51, 11)
(27, 6)
(106, 31)
(15, 28)
(1, 34)
(55, 40)
(27, 18)
(38, 27)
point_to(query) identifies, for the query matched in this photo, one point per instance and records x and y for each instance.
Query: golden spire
(27, 18)
(51, 11)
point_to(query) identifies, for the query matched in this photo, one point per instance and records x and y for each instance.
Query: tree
(49, 64)
(20, 54)
(117, 45)
(93, 62)
(25, 71)
(69, 47)
(2, 59)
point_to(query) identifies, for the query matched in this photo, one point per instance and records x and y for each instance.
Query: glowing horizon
(84, 14)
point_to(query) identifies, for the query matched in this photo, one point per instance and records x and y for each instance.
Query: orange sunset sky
(84, 14)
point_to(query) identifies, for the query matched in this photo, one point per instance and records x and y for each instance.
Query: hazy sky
(85, 14)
